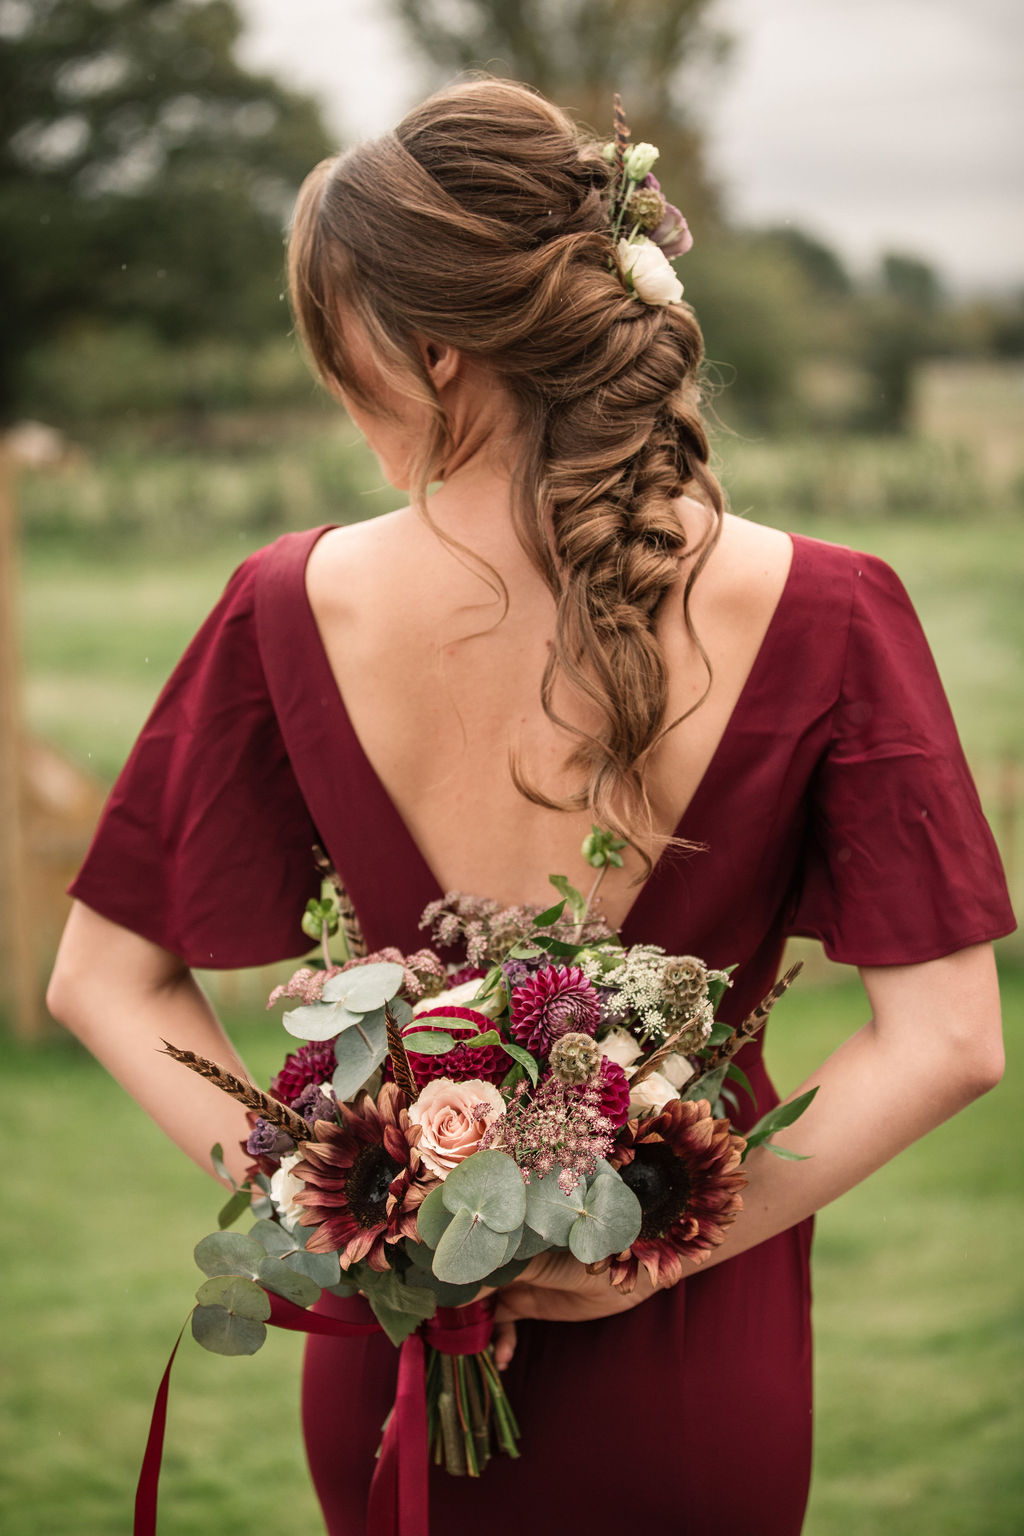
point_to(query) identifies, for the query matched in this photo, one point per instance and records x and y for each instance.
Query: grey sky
(876, 123)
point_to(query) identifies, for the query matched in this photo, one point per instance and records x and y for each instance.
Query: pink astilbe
(559, 1127)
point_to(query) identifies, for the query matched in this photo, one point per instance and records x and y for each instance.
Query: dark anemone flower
(364, 1180)
(684, 1168)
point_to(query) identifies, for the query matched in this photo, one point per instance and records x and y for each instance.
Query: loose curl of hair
(482, 223)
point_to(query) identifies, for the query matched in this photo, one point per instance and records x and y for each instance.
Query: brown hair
(482, 222)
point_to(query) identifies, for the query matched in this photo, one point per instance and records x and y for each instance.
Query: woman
(448, 697)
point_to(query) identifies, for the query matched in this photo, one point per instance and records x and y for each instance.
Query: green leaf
(469, 1250)
(786, 1153)
(444, 1294)
(522, 1058)
(318, 1021)
(707, 1086)
(235, 1207)
(550, 1213)
(530, 1244)
(355, 1060)
(274, 1275)
(429, 1042)
(365, 987)
(224, 1333)
(219, 1166)
(736, 1074)
(720, 1033)
(324, 1269)
(550, 915)
(609, 1222)
(490, 1186)
(552, 946)
(240, 1297)
(397, 1306)
(509, 1271)
(577, 901)
(433, 1218)
(273, 1238)
(228, 1253)
(778, 1118)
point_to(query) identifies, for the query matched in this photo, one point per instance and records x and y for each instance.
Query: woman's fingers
(504, 1343)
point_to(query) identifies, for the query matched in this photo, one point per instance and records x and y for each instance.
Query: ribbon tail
(399, 1492)
(149, 1476)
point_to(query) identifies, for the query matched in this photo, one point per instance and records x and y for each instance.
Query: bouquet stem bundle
(469, 1415)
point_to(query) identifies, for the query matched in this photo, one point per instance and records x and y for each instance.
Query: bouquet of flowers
(438, 1128)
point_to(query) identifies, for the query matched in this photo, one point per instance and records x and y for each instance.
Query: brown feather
(621, 135)
(246, 1093)
(347, 915)
(399, 1060)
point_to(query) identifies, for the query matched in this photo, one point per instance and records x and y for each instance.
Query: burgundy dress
(837, 805)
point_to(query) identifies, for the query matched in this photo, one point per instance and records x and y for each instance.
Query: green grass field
(918, 1317)
(917, 1291)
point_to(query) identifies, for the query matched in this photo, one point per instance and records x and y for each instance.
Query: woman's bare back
(440, 694)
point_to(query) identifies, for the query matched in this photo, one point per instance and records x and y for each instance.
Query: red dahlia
(364, 1180)
(487, 1062)
(309, 1064)
(554, 1001)
(684, 1168)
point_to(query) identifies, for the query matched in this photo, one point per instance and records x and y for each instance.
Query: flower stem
(578, 930)
(325, 944)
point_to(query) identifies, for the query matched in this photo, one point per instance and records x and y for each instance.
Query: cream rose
(645, 265)
(653, 1093)
(455, 997)
(284, 1186)
(620, 1047)
(452, 1118)
(677, 1069)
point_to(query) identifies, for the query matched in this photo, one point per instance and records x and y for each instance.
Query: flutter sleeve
(205, 845)
(899, 866)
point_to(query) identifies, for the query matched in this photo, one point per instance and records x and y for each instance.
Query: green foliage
(144, 174)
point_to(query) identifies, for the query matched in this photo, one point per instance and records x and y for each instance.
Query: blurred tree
(660, 55)
(902, 324)
(144, 174)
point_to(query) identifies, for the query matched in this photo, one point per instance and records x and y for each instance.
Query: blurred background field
(161, 424)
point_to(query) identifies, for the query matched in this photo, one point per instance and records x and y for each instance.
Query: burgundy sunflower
(684, 1168)
(364, 1180)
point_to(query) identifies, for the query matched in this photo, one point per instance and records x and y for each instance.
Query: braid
(483, 221)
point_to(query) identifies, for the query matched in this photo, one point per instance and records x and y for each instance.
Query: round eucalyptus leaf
(356, 1060)
(240, 1297)
(275, 1275)
(317, 1021)
(531, 1243)
(228, 1253)
(272, 1237)
(508, 1272)
(609, 1221)
(512, 1245)
(490, 1186)
(365, 987)
(447, 1295)
(432, 1219)
(401, 1011)
(550, 1213)
(469, 1250)
(324, 1269)
(225, 1333)
(428, 1042)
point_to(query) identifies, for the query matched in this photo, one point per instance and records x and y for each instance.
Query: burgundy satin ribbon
(399, 1492)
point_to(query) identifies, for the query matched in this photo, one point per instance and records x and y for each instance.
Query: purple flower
(268, 1140)
(673, 233)
(314, 1104)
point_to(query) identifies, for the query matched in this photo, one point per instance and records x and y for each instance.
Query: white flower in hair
(647, 272)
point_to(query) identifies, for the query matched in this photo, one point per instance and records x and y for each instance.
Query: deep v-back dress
(837, 805)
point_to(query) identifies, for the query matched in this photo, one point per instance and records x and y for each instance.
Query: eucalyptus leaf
(240, 1297)
(228, 1253)
(709, 1086)
(225, 1333)
(549, 1212)
(219, 1165)
(429, 1042)
(490, 1186)
(577, 901)
(397, 1306)
(530, 1244)
(433, 1218)
(233, 1208)
(509, 1271)
(273, 1238)
(275, 1275)
(550, 915)
(512, 1246)
(317, 1021)
(469, 1250)
(447, 1295)
(610, 1220)
(355, 1060)
(324, 1269)
(344, 1288)
(365, 987)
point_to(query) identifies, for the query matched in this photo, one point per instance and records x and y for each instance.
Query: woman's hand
(556, 1288)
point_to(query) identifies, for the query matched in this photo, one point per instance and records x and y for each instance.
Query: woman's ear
(441, 361)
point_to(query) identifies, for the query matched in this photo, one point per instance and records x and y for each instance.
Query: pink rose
(452, 1118)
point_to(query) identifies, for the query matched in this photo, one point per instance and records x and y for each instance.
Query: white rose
(284, 1186)
(463, 993)
(619, 1047)
(653, 1093)
(677, 1069)
(645, 266)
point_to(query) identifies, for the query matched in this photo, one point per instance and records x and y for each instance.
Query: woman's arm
(123, 996)
(933, 1043)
